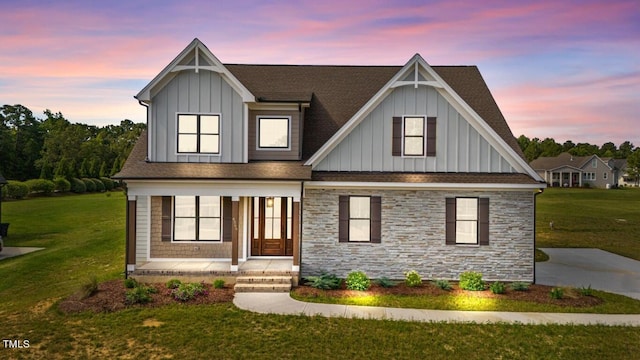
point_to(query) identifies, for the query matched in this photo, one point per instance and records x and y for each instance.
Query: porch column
(235, 216)
(130, 237)
(570, 179)
(295, 223)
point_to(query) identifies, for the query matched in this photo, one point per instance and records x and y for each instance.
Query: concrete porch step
(262, 283)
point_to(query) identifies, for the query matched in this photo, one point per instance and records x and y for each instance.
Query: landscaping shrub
(586, 291)
(186, 292)
(324, 281)
(89, 184)
(16, 189)
(173, 284)
(108, 183)
(218, 284)
(130, 283)
(41, 186)
(99, 185)
(358, 280)
(139, 295)
(385, 282)
(556, 293)
(442, 284)
(412, 278)
(519, 286)
(471, 280)
(90, 287)
(497, 288)
(62, 184)
(78, 186)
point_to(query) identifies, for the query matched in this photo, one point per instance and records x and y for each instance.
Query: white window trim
(477, 222)
(424, 137)
(350, 218)
(289, 140)
(219, 153)
(173, 224)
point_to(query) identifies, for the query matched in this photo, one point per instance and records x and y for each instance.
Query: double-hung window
(197, 218)
(198, 133)
(466, 220)
(359, 219)
(274, 133)
(413, 136)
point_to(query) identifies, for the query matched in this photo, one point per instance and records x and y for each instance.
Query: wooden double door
(271, 226)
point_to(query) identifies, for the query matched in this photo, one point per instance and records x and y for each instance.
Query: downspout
(535, 211)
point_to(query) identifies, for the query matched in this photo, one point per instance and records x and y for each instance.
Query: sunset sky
(560, 69)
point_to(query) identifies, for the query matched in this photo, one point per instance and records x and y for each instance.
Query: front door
(271, 226)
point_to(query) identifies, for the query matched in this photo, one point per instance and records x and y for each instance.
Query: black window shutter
(343, 219)
(227, 219)
(483, 221)
(166, 218)
(396, 144)
(450, 221)
(431, 136)
(376, 212)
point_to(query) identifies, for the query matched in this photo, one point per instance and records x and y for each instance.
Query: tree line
(535, 148)
(32, 148)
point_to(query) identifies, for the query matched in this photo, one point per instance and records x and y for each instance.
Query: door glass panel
(289, 217)
(256, 217)
(268, 228)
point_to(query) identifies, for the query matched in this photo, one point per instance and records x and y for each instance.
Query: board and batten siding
(205, 92)
(459, 147)
(142, 228)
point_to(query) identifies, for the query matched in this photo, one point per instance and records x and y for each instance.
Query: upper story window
(413, 136)
(274, 132)
(594, 163)
(199, 133)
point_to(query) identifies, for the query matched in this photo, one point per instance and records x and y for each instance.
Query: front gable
(465, 142)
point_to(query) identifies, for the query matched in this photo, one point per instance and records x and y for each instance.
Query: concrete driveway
(583, 267)
(8, 252)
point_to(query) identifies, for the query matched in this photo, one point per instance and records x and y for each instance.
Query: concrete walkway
(283, 304)
(8, 252)
(597, 268)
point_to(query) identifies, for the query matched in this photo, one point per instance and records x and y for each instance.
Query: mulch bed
(535, 294)
(110, 297)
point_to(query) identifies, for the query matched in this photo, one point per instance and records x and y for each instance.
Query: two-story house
(328, 168)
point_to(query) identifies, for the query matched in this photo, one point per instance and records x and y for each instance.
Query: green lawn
(590, 218)
(84, 236)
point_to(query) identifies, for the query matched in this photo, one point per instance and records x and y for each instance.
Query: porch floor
(215, 268)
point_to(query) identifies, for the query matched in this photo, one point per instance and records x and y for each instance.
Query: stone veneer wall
(166, 249)
(413, 237)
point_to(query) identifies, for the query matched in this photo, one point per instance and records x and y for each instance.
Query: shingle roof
(136, 167)
(340, 91)
(564, 159)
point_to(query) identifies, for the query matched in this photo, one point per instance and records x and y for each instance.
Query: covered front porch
(564, 177)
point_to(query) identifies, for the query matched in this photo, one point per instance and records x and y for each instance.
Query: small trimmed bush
(189, 291)
(108, 183)
(519, 286)
(130, 283)
(218, 284)
(442, 284)
(412, 278)
(89, 184)
(139, 295)
(41, 186)
(16, 189)
(497, 287)
(358, 280)
(173, 284)
(471, 280)
(324, 281)
(385, 282)
(78, 186)
(556, 293)
(99, 185)
(62, 184)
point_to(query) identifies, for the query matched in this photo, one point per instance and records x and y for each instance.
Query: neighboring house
(332, 168)
(566, 170)
(620, 173)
